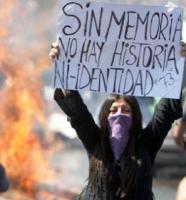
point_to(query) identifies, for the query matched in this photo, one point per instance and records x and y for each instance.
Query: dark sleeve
(165, 113)
(79, 116)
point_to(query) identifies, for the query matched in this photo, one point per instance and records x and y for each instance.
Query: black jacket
(150, 141)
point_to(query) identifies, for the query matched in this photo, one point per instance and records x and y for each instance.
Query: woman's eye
(126, 110)
(113, 111)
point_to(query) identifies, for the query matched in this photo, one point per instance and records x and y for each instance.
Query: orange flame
(22, 60)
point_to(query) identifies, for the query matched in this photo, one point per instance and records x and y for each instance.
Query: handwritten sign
(116, 48)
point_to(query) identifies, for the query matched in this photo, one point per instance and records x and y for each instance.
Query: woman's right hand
(183, 49)
(54, 52)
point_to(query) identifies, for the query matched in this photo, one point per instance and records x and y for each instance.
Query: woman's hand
(183, 49)
(54, 52)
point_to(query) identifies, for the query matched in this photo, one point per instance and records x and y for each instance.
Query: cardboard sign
(116, 48)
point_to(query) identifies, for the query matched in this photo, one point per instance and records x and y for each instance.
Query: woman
(121, 153)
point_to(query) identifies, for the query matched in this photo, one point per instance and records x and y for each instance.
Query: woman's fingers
(55, 45)
(183, 49)
(54, 52)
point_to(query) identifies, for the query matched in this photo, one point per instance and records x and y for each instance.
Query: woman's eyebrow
(113, 107)
(127, 107)
(124, 106)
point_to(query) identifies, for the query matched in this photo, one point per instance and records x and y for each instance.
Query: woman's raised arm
(166, 112)
(73, 106)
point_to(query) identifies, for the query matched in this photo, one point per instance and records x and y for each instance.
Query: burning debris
(23, 58)
(21, 101)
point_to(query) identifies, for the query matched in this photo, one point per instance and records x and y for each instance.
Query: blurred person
(181, 191)
(178, 132)
(4, 183)
(179, 135)
(179, 129)
(121, 153)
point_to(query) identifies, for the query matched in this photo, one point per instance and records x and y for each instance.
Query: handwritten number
(168, 80)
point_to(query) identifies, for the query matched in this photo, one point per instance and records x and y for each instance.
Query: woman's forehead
(120, 102)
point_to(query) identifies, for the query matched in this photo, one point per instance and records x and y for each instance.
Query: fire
(22, 61)
(20, 148)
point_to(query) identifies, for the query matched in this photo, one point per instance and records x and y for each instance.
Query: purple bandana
(119, 133)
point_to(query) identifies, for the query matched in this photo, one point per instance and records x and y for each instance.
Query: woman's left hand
(183, 49)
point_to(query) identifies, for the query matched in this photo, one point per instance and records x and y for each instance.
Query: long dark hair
(129, 169)
(131, 100)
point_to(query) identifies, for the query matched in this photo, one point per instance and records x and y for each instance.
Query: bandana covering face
(119, 133)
